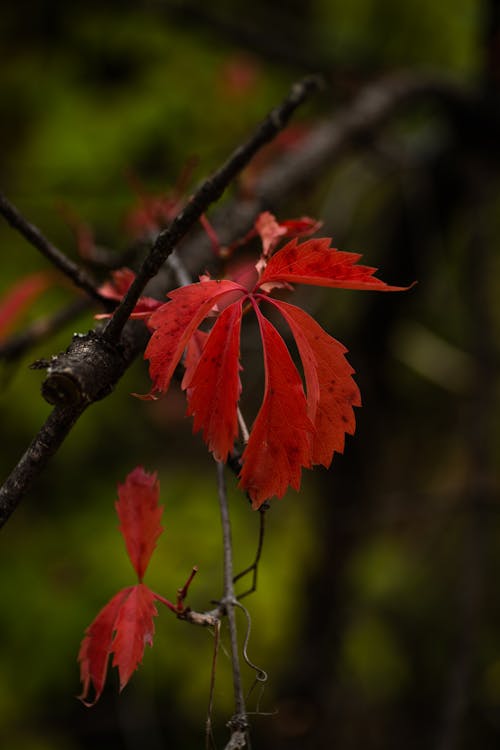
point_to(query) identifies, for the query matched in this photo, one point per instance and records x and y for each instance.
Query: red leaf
(97, 645)
(315, 262)
(134, 630)
(331, 391)
(279, 444)
(123, 627)
(175, 322)
(215, 387)
(139, 515)
(19, 298)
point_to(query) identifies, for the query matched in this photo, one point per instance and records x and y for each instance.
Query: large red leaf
(279, 444)
(331, 391)
(123, 627)
(215, 387)
(19, 297)
(315, 262)
(139, 514)
(175, 322)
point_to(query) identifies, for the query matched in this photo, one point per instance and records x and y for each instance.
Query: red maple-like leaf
(124, 625)
(294, 428)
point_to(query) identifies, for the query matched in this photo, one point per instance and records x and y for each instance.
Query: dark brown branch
(208, 192)
(33, 235)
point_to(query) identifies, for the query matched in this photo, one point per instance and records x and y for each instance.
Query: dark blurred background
(377, 613)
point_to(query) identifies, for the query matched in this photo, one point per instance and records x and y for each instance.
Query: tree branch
(78, 275)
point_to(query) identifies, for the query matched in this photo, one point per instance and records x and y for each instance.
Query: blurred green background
(377, 613)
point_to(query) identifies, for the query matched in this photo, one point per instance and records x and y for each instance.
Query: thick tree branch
(78, 275)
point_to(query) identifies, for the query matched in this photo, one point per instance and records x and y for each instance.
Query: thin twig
(33, 235)
(238, 723)
(208, 192)
(255, 565)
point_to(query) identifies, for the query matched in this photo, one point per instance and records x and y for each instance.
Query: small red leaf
(331, 390)
(19, 298)
(139, 514)
(123, 627)
(175, 322)
(315, 262)
(279, 444)
(215, 387)
(97, 646)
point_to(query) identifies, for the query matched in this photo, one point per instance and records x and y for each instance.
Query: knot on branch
(86, 372)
